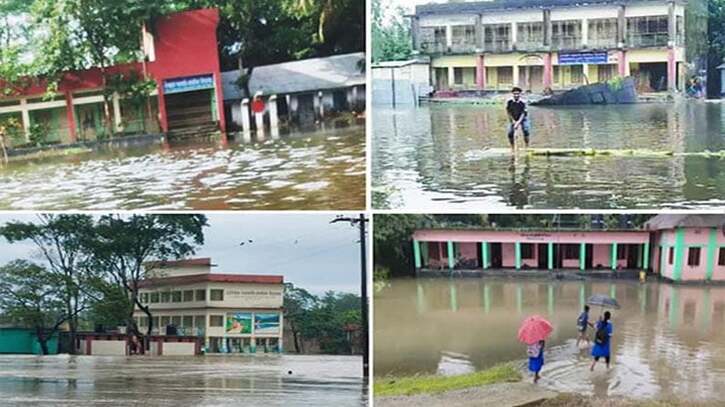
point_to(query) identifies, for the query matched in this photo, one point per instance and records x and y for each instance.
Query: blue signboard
(578, 58)
(188, 84)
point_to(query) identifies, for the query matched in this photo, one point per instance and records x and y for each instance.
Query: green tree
(62, 242)
(128, 249)
(297, 303)
(392, 241)
(29, 297)
(391, 37)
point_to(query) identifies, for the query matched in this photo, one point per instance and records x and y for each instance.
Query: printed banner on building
(266, 324)
(239, 323)
(578, 58)
(188, 84)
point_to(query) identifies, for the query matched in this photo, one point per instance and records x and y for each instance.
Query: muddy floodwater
(178, 381)
(321, 170)
(669, 341)
(457, 156)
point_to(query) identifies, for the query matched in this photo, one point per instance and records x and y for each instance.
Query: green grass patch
(407, 386)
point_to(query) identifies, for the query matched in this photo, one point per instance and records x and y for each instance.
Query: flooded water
(306, 171)
(669, 341)
(177, 381)
(437, 154)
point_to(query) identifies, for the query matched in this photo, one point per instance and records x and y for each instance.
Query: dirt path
(494, 395)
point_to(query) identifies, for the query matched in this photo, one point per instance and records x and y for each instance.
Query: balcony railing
(567, 42)
(463, 45)
(433, 47)
(530, 45)
(602, 43)
(497, 46)
(648, 40)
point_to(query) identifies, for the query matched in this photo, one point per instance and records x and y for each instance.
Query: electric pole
(360, 223)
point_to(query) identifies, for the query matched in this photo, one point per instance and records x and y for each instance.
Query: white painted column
(451, 77)
(449, 36)
(321, 104)
(585, 32)
(516, 74)
(273, 118)
(117, 112)
(246, 125)
(26, 118)
(514, 35)
(585, 73)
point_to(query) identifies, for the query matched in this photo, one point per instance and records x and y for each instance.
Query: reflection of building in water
(540, 44)
(687, 247)
(233, 312)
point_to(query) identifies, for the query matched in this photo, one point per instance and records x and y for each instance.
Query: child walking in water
(602, 340)
(536, 358)
(582, 324)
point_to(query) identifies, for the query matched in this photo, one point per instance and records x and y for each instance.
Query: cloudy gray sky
(305, 248)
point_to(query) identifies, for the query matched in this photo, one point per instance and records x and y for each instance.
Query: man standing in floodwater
(518, 118)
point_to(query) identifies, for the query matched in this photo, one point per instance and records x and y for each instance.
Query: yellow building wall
(637, 56)
(454, 60)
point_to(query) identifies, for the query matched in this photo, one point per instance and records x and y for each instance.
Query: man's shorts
(525, 126)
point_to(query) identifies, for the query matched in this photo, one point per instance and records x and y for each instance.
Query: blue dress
(536, 363)
(602, 350)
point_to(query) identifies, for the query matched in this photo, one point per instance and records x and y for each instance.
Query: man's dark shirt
(516, 109)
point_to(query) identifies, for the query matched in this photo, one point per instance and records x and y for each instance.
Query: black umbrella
(603, 301)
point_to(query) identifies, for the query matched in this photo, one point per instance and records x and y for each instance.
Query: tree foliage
(391, 37)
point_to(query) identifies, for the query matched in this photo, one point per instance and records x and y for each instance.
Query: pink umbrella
(534, 329)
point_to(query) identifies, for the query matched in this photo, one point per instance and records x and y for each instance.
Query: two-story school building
(234, 313)
(555, 44)
(676, 247)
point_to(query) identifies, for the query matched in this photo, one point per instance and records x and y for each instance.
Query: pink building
(688, 247)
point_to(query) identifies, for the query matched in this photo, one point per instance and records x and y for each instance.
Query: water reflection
(669, 340)
(442, 153)
(322, 170)
(169, 381)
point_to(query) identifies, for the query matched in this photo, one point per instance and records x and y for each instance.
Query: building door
(632, 256)
(479, 254)
(543, 256)
(190, 109)
(90, 121)
(496, 255)
(589, 256)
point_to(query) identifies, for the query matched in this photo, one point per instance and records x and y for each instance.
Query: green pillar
(582, 255)
(679, 254)
(519, 298)
(613, 291)
(614, 256)
(711, 248)
(484, 254)
(550, 297)
(454, 296)
(551, 255)
(518, 255)
(645, 256)
(451, 256)
(639, 258)
(486, 298)
(416, 254)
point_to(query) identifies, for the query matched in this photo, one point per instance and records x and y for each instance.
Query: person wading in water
(518, 118)
(602, 341)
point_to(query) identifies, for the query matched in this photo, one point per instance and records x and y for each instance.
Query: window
(647, 31)
(200, 321)
(216, 320)
(176, 296)
(602, 33)
(200, 295)
(176, 320)
(577, 74)
(497, 37)
(144, 298)
(566, 34)
(458, 76)
(529, 35)
(571, 251)
(165, 296)
(671, 256)
(721, 257)
(154, 322)
(621, 252)
(217, 295)
(527, 251)
(693, 256)
(143, 321)
(464, 35)
(154, 297)
(187, 321)
(505, 74)
(165, 321)
(188, 295)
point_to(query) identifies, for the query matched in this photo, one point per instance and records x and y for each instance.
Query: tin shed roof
(671, 221)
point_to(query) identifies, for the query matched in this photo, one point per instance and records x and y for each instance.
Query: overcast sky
(306, 249)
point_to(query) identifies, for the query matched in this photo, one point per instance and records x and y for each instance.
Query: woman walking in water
(602, 339)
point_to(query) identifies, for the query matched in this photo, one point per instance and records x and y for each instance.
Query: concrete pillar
(244, 111)
(585, 33)
(621, 27)
(451, 256)
(517, 251)
(645, 256)
(480, 72)
(548, 71)
(547, 27)
(585, 72)
(614, 256)
(479, 33)
(451, 77)
(582, 255)
(273, 117)
(622, 65)
(321, 104)
(516, 74)
(550, 255)
(25, 113)
(415, 32)
(449, 36)
(671, 24)
(514, 34)
(711, 249)
(484, 255)
(259, 116)
(220, 103)
(671, 70)
(163, 118)
(70, 117)
(117, 118)
(416, 254)
(252, 345)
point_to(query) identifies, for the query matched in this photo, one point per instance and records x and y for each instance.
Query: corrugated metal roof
(339, 71)
(671, 221)
(210, 278)
(481, 6)
(229, 86)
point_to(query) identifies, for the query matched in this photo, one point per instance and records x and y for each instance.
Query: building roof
(476, 7)
(339, 71)
(229, 86)
(198, 262)
(671, 221)
(210, 278)
(399, 64)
